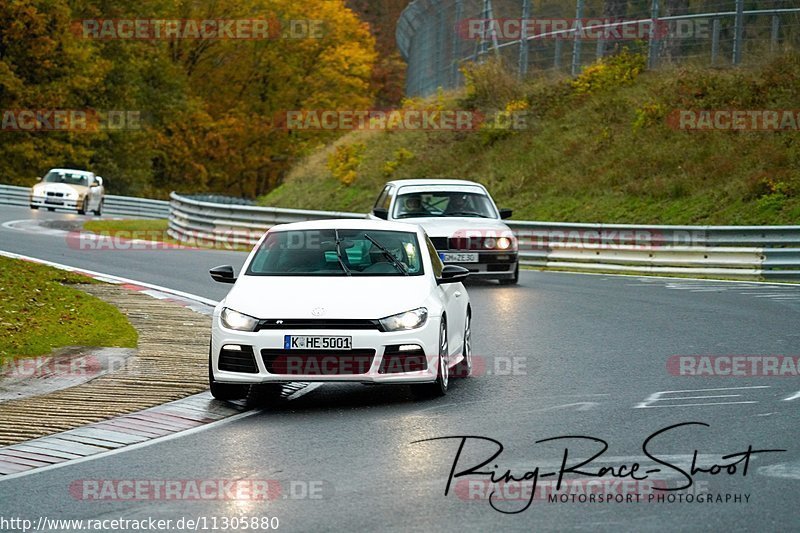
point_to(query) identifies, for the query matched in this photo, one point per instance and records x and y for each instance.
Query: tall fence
(112, 205)
(743, 252)
(436, 37)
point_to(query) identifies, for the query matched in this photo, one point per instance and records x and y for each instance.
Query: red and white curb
(142, 428)
(118, 432)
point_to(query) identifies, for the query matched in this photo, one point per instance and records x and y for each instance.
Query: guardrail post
(652, 51)
(714, 41)
(557, 55)
(456, 44)
(774, 34)
(738, 32)
(523, 39)
(576, 42)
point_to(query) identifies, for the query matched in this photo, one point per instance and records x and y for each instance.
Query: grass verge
(598, 148)
(41, 311)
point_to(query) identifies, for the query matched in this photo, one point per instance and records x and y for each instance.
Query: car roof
(433, 181)
(348, 223)
(71, 171)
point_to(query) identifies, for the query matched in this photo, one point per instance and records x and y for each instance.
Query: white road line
(689, 404)
(794, 396)
(302, 392)
(660, 396)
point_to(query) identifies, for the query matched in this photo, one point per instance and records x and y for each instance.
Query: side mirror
(39, 178)
(453, 274)
(381, 212)
(505, 213)
(223, 274)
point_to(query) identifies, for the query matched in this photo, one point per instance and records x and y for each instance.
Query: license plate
(458, 257)
(53, 201)
(316, 342)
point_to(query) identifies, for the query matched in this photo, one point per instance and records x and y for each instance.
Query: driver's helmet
(412, 203)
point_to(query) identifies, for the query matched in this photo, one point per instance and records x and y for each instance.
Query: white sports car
(340, 301)
(64, 188)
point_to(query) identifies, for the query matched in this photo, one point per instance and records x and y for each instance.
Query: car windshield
(67, 177)
(344, 252)
(444, 204)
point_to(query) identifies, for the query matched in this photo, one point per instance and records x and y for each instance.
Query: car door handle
(458, 294)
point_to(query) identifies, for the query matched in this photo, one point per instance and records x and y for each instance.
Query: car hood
(449, 226)
(60, 187)
(344, 297)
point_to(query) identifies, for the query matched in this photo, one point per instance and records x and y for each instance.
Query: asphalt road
(563, 354)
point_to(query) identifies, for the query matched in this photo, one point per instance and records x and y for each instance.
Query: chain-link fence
(436, 37)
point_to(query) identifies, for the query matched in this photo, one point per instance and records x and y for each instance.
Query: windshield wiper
(389, 255)
(339, 253)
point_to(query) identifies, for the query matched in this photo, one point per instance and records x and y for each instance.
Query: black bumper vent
(238, 360)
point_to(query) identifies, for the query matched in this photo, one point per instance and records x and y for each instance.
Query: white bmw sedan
(340, 301)
(462, 221)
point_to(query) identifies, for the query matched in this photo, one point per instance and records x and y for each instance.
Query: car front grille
(238, 360)
(318, 362)
(317, 323)
(56, 194)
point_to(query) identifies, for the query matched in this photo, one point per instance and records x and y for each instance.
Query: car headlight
(489, 243)
(403, 321)
(504, 243)
(240, 322)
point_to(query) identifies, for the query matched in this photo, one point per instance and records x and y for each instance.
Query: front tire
(34, 207)
(438, 388)
(224, 391)
(82, 209)
(99, 210)
(464, 368)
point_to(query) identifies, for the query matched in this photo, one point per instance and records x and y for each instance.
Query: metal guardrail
(112, 205)
(193, 220)
(743, 252)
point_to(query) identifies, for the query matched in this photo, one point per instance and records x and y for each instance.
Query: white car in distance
(462, 221)
(340, 301)
(63, 188)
